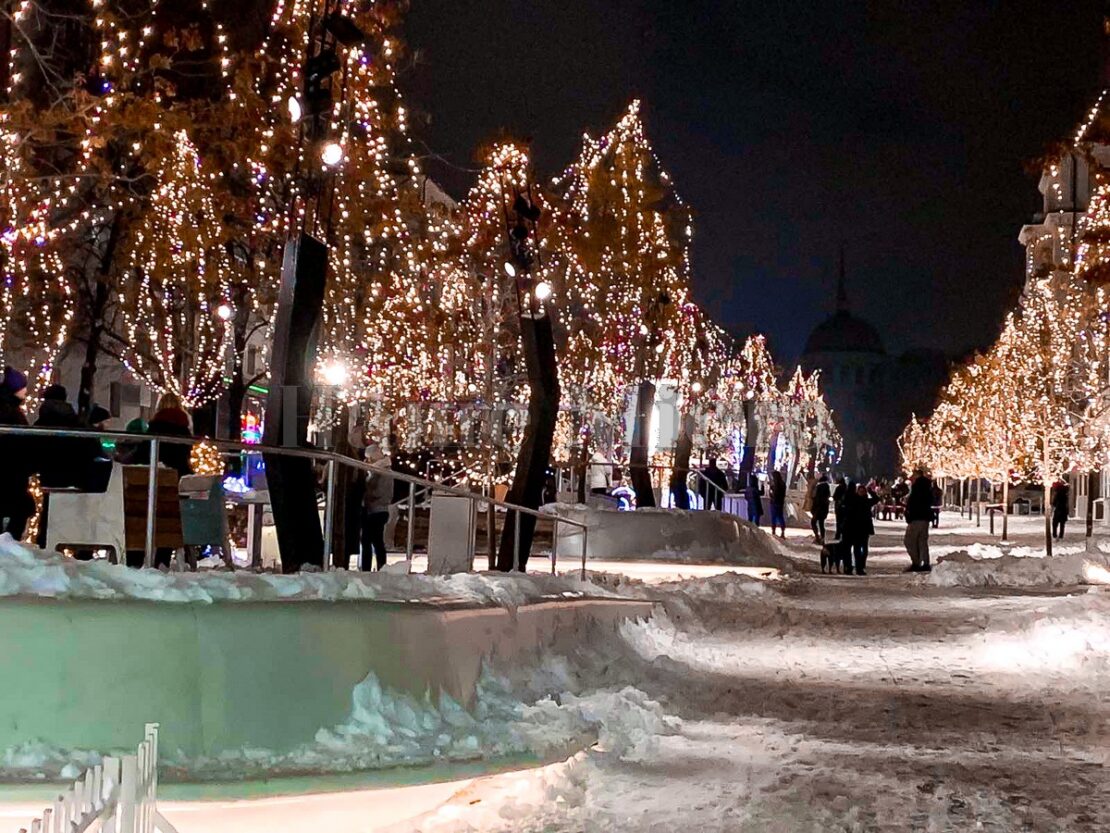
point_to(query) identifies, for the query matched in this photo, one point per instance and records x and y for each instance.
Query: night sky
(902, 129)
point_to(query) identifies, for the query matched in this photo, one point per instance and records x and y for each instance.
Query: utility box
(451, 530)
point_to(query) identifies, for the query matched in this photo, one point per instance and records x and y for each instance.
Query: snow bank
(535, 716)
(387, 728)
(25, 571)
(979, 569)
(673, 535)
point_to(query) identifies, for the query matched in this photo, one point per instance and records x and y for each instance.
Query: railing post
(329, 516)
(151, 504)
(472, 535)
(554, 543)
(585, 534)
(410, 532)
(516, 539)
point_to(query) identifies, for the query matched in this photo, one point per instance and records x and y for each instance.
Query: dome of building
(844, 333)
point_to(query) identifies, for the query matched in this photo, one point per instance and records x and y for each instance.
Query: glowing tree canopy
(177, 268)
(36, 299)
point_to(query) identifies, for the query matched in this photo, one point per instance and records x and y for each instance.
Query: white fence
(118, 795)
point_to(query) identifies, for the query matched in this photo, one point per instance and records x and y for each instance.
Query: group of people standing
(855, 506)
(753, 497)
(74, 461)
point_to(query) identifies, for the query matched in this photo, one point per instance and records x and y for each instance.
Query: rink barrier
(118, 795)
(332, 461)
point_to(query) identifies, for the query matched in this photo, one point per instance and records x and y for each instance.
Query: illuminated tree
(36, 299)
(176, 271)
(632, 234)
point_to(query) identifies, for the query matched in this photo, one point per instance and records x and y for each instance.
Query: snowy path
(836, 704)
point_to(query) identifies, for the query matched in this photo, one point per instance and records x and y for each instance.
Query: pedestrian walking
(378, 498)
(819, 508)
(859, 526)
(778, 503)
(753, 496)
(1061, 507)
(838, 495)
(919, 515)
(938, 502)
(715, 485)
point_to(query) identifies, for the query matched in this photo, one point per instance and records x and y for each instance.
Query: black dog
(835, 555)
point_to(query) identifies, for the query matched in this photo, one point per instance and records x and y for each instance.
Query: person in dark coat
(170, 420)
(919, 514)
(859, 526)
(938, 501)
(16, 504)
(778, 503)
(819, 508)
(753, 496)
(63, 461)
(377, 500)
(1061, 506)
(714, 486)
(838, 495)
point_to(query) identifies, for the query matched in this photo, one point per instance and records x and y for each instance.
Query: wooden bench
(167, 511)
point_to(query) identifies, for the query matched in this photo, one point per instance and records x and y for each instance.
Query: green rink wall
(88, 674)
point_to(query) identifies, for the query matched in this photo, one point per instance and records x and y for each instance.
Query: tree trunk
(100, 300)
(639, 454)
(978, 501)
(1006, 507)
(582, 470)
(236, 396)
(681, 471)
(88, 370)
(751, 430)
(538, 341)
(204, 420)
(346, 477)
(1094, 480)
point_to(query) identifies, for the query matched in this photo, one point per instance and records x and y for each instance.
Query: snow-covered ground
(834, 704)
(797, 703)
(26, 571)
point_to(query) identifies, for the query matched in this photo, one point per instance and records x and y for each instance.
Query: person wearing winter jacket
(170, 420)
(63, 461)
(1061, 507)
(16, 504)
(778, 503)
(838, 496)
(753, 496)
(819, 508)
(859, 526)
(377, 500)
(919, 515)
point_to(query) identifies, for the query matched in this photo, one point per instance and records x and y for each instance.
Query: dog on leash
(836, 555)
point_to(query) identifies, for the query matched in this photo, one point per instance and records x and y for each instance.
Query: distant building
(1066, 184)
(872, 393)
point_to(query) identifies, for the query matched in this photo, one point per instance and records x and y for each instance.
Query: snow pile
(988, 567)
(1070, 637)
(542, 713)
(25, 571)
(672, 535)
(387, 728)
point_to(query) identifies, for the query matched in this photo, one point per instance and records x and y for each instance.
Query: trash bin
(203, 511)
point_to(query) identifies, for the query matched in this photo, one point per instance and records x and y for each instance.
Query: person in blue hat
(16, 504)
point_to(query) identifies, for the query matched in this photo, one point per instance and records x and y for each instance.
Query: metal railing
(332, 461)
(693, 474)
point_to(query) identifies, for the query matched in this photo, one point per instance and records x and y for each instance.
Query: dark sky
(900, 128)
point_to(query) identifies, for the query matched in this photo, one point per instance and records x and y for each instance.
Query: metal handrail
(331, 458)
(654, 466)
